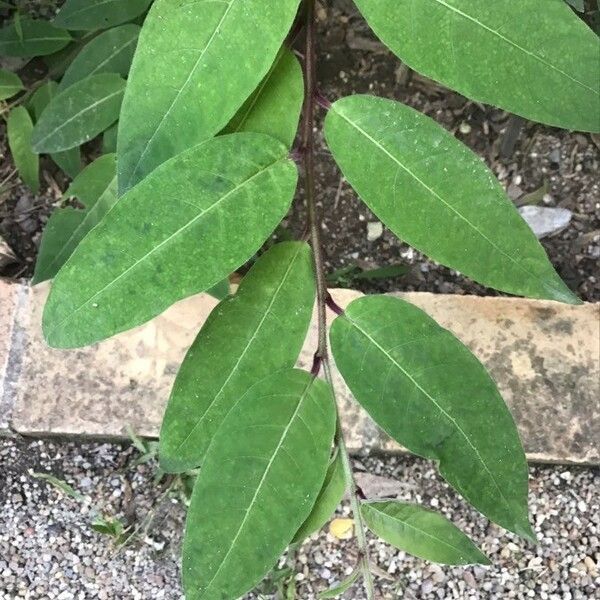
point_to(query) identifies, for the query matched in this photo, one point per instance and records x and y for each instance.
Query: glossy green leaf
(421, 532)
(19, 129)
(330, 496)
(259, 481)
(535, 58)
(110, 52)
(343, 586)
(210, 56)
(428, 392)
(10, 84)
(274, 107)
(89, 15)
(179, 232)
(38, 39)
(96, 189)
(438, 196)
(249, 335)
(80, 113)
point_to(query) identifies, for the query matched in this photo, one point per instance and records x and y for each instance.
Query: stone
(543, 355)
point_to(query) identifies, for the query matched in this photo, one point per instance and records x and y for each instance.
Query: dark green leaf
(535, 58)
(577, 4)
(330, 496)
(109, 139)
(179, 232)
(19, 129)
(69, 161)
(249, 335)
(78, 114)
(259, 481)
(421, 532)
(41, 98)
(38, 39)
(110, 52)
(438, 196)
(387, 272)
(221, 290)
(274, 108)
(210, 57)
(342, 587)
(10, 84)
(96, 189)
(427, 391)
(89, 15)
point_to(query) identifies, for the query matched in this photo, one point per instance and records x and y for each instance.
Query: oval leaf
(69, 161)
(535, 58)
(438, 196)
(210, 56)
(110, 52)
(428, 392)
(257, 331)
(19, 129)
(88, 15)
(79, 114)
(96, 189)
(274, 107)
(179, 232)
(35, 38)
(259, 481)
(421, 532)
(10, 84)
(330, 496)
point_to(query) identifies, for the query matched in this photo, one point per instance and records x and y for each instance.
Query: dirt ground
(561, 166)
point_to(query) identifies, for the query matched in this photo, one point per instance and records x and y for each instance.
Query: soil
(525, 156)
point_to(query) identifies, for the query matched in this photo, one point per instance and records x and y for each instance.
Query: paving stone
(544, 356)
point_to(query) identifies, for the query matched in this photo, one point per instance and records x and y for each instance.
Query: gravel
(48, 549)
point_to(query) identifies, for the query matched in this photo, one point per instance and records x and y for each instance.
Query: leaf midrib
(435, 403)
(515, 45)
(284, 434)
(166, 241)
(243, 353)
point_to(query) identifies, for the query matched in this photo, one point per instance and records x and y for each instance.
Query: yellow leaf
(343, 529)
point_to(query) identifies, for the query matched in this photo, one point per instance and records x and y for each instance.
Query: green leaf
(259, 481)
(110, 52)
(330, 496)
(179, 232)
(438, 196)
(274, 107)
(10, 84)
(421, 532)
(249, 335)
(343, 586)
(577, 4)
(509, 54)
(210, 56)
(96, 188)
(89, 15)
(41, 98)
(109, 139)
(38, 39)
(69, 161)
(221, 290)
(80, 113)
(19, 130)
(59, 484)
(428, 392)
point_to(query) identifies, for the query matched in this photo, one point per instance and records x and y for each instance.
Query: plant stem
(323, 298)
(361, 537)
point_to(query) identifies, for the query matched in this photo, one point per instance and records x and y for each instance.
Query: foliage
(204, 175)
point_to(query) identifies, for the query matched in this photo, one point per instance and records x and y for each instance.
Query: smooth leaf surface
(69, 161)
(109, 139)
(329, 498)
(80, 113)
(421, 532)
(248, 336)
(10, 84)
(110, 52)
(19, 129)
(36, 38)
(210, 56)
(438, 196)
(96, 189)
(274, 107)
(535, 58)
(88, 15)
(221, 290)
(423, 387)
(261, 477)
(179, 232)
